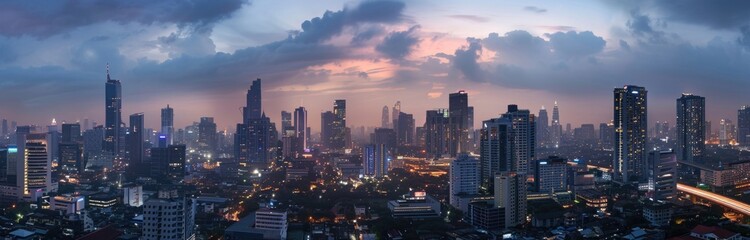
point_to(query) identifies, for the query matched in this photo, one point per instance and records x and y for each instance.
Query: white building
(133, 195)
(416, 205)
(266, 223)
(510, 195)
(35, 173)
(464, 181)
(169, 219)
(68, 204)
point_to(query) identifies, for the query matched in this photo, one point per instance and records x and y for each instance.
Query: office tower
(550, 174)
(494, 149)
(167, 124)
(691, 128)
(385, 136)
(458, 106)
(607, 134)
(86, 125)
(586, 134)
(10, 168)
(326, 128)
(286, 123)
(542, 128)
(523, 139)
(262, 140)
(4, 165)
(5, 128)
(339, 125)
(376, 159)
(510, 196)
(241, 143)
(405, 134)
(464, 180)
(301, 128)
(743, 126)
(168, 163)
(35, 176)
(207, 134)
(71, 132)
(395, 114)
(92, 141)
(726, 132)
(13, 125)
(169, 218)
(555, 129)
(384, 122)
(113, 120)
(437, 133)
(631, 129)
(53, 143)
(662, 175)
(471, 146)
(71, 158)
(253, 107)
(136, 151)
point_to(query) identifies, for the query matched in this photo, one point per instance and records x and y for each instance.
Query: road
(716, 198)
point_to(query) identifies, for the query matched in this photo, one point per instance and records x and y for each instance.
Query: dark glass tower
(743, 126)
(691, 127)
(253, 109)
(300, 127)
(167, 124)
(113, 115)
(458, 106)
(631, 129)
(136, 135)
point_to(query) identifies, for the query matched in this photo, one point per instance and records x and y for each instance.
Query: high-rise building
(437, 133)
(376, 159)
(405, 134)
(495, 150)
(339, 125)
(555, 129)
(523, 138)
(542, 128)
(262, 140)
(691, 128)
(167, 124)
(207, 134)
(92, 141)
(136, 145)
(607, 135)
(5, 127)
(510, 197)
(661, 128)
(586, 134)
(169, 218)
(241, 143)
(726, 132)
(253, 107)
(662, 175)
(113, 119)
(326, 128)
(286, 121)
(550, 174)
(464, 180)
(301, 127)
(743, 126)
(458, 106)
(386, 119)
(395, 113)
(71, 158)
(168, 163)
(71, 132)
(631, 130)
(35, 176)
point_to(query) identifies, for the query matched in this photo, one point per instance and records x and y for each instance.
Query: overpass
(716, 198)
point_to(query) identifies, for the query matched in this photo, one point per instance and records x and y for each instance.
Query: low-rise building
(415, 205)
(266, 223)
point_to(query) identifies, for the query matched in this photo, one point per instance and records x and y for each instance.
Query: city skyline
(402, 54)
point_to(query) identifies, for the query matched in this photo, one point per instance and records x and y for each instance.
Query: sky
(200, 57)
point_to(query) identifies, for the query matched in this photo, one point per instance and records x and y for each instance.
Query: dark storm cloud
(535, 9)
(744, 38)
(398, 45)
(465, 60)
(46, 18)
(725, 14)
(332, 23)
(576, 44)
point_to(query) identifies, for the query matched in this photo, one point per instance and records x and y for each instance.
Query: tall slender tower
(458, 106)
(555, 128)
(691, 127)
(631, 129)
(300, 127)
(253, 109)
(136, 151)
(167, 124)
(542, 128)
(113, 117)
(385, 119)
(743, 126)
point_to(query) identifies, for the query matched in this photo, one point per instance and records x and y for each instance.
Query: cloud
(743, 40)
(534, 9)
(640, 25)
(518, 46)
(729, 14)
(48, 18)
(398, 45)
(576, 44)
(473, 18)
(465, 60)
(332, 23)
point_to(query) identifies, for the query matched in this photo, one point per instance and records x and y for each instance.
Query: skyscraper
(385, 118)
(743, 126)
(168, 163)
(405, 133)
(113, 119)
(71, 132)
(464, 180)
(631, 129)
(207, 134)
(555, 129)
(326, 128)
(35, 176)
(253, 108)
(458, 105)
(136, 151)
(550, 174)
(437, 133)
(691, 128)
(286, 121)
(510, 196)
(494, 149)
(167, 123)
(262, 140)
(334, 133)
(300, 127)
(523, 139)
(542, 128)
(726, 132)
(394, 114)
(662, 175)
(376, 159)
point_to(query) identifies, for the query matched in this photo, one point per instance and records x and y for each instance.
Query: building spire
(108, 71)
